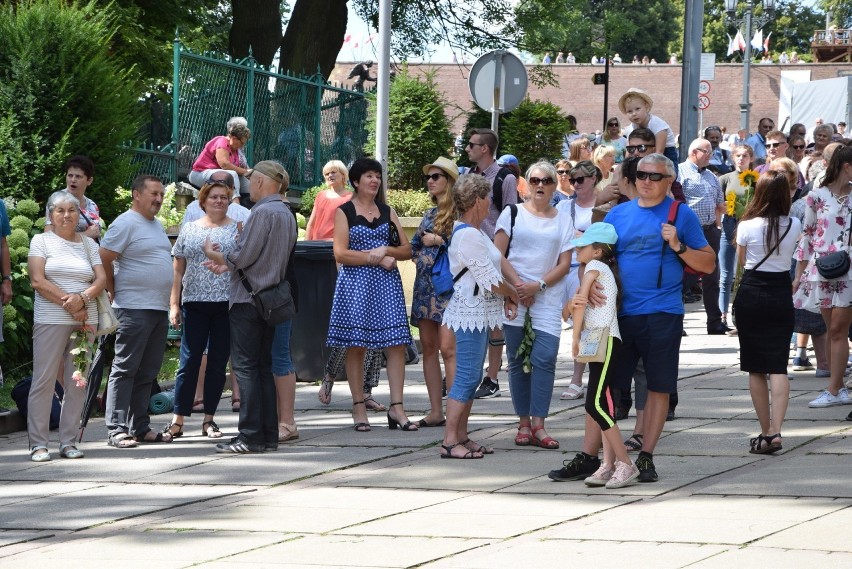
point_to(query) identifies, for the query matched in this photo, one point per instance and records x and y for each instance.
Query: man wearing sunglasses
(704, 197)
(649, 252)
(776, 147)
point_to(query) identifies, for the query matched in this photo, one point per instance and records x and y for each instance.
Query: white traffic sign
(703, 102)
(498, 81)
(703, 87)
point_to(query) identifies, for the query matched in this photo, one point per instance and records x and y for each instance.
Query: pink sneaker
(625, 475)
(601, 475)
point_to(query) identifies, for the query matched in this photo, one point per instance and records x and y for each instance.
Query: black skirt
(764, 312)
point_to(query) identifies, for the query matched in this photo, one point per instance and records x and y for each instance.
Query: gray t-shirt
(143, 270)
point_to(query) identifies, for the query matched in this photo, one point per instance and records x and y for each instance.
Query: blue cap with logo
(507, 159)
(599, 232)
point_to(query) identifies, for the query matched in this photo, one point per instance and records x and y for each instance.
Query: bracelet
(85, 297)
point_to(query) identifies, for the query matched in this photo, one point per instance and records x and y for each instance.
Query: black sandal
(479, 448)
(362, 427)
(176, 435)
(765, 444)
(634, 443)
(449, 448)
(210, 429)
(393, 423)
(160, 438)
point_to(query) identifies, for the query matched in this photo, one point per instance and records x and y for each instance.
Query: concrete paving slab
(9, 538)
(778, 558)
(829, 532)
(18, 491)
(835, 444)
(696, 519)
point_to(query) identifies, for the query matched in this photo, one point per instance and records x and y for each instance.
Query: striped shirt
(69, 268)
(263, 248)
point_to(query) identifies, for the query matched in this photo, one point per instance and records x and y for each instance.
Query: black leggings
(599, 403)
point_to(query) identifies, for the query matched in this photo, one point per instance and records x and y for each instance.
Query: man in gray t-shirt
(136, 255)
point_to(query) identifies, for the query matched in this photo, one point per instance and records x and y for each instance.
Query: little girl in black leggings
(595, 254)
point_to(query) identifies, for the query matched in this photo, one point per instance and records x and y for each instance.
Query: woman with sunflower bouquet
(734, 187)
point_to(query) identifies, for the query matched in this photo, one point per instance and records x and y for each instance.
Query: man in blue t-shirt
(6, 286)
(650, 255)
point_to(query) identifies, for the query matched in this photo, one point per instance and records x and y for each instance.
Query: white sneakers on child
(623, 474)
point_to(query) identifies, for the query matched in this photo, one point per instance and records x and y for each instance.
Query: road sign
(703, 102)
(703, 87)
(599, 78)
(498, 81)
(708, 66)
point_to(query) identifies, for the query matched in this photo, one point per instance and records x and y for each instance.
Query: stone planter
(407, 269)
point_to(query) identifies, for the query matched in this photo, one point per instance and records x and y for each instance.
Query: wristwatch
(7, 278)
(542, 285)
(682, 249)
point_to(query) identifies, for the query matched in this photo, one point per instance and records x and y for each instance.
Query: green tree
(840, 10)
(418, 128)
(64, 92)
(534, 131)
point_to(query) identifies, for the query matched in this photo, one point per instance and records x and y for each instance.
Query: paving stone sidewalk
(337, 498)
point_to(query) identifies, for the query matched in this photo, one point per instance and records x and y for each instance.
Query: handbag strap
(777, 245)
(244, 280)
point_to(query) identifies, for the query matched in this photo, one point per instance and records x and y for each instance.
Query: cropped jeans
(531, 392)
(727, 256)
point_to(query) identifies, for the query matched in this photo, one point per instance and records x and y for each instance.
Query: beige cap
(639, 94)
(271, 169)
(448, 166)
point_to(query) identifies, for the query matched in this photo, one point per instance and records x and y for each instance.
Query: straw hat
(448, 166)
(639, 94)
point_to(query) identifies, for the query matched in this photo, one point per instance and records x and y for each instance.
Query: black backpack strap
(513, 215)
(497, 188)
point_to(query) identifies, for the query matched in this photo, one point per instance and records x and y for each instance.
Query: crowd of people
(607, 241)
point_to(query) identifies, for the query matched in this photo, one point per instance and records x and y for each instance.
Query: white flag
(731, 48)
(739, 41)
(757, 41)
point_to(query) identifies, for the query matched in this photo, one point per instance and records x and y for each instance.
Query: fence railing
(300, 121)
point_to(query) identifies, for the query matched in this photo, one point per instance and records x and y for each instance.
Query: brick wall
(577, 95)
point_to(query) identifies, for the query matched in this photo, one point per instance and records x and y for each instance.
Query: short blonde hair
(601, 152)
(336, 165)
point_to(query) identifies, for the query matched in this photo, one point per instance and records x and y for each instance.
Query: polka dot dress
(369, 306)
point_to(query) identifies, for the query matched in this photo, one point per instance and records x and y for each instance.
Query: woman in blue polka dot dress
(368, 311)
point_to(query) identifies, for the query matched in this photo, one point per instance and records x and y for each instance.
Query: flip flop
(449, 448)
(324, 394)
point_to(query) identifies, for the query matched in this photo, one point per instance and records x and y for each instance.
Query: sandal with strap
(765, 444)
(523, 439)
(121, 440)
(175, 435)
(324, 394)
(634, 443)
(361, 427)
(70, 451)
(212, 431)
(449, 454)
(547, 442)
(40, 454)
(287, 432)
(161, 437)
(468, 444)
(373, 405)
(393, 423)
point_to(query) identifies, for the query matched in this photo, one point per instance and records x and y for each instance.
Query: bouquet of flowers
(83, 350)
(735, 205)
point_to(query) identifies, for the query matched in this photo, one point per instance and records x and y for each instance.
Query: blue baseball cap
(507, 159)
(599, 232)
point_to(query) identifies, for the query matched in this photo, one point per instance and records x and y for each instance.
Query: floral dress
(826, 229)
(425, 304)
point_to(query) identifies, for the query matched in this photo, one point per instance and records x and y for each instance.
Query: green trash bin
(316, 277)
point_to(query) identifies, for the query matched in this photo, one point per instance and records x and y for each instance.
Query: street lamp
(749, 20)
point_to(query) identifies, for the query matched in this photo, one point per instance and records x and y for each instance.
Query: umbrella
(104, 354)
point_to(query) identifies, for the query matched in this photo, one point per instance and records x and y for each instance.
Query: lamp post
(749, 20)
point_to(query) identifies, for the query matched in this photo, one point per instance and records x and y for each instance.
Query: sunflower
(748, 178)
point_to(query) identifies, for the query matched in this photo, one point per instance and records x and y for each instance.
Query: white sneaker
(601, 476)
(826, 399)
(625, 475)
(844, 396)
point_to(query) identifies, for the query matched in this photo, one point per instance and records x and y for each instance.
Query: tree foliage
(840, 10)
(63, 92)
(418, 128)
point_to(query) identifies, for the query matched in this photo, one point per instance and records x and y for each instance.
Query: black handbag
(835, 265)
(275, 304)
(393, 235)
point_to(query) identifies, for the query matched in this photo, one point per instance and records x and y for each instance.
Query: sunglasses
(536, 181)
(469, 144)
(563, 172)
(774, 144)
(612, 124)
(653, 176)
(577, 180)
(433, 177)
(638, 148)
(798, 146)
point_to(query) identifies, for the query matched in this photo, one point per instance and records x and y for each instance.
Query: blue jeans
(251, 360)
(727, 256)
(531, 392)
(282, 363)
(471, 347)
(203, 322)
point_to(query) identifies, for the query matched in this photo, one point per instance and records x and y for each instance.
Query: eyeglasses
(703, 150)
(536, 181)
(612, 124)
(638, 148)
(469, 144)
(577, 180)
(798, 146)
(563, 172)
(434, 177)
(774, 144)
(653, 176)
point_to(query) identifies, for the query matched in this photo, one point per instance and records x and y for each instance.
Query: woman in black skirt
(766, 239)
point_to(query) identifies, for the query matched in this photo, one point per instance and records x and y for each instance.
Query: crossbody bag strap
(246, 284)
(777, 245)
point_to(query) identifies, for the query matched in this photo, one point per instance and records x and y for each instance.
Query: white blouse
(471, 248)
(606, 315)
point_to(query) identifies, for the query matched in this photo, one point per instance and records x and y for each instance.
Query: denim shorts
(654, 339)
(282, 364)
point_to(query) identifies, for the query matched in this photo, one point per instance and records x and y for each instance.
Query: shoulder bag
(275, 304)
(835, 265)
(593, 345)
(107, 320)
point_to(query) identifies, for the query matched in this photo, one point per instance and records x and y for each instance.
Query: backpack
(497, 188)
(21, 394)
(673, 210)
(442, 277)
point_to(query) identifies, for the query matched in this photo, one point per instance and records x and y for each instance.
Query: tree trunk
(256, 26)
(314, 36)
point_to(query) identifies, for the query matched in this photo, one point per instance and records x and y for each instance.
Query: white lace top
(605, 315)
(471, 248)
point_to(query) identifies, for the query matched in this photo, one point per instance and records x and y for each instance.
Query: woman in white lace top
(474, 309)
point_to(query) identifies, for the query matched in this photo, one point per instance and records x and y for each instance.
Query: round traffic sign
(498, 81)
(703, 102)
(703, 87)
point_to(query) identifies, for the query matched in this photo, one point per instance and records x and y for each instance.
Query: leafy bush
(63, 91)
(308, 199)
(418, 129)
(409, 203)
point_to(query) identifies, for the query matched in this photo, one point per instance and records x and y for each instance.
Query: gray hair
(657, 159)
(466, 189)
(236, 121)
(543, 166)
(61, 196)
(238, 127)
(826, 127)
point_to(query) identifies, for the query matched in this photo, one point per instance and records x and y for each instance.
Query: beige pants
(51, 360)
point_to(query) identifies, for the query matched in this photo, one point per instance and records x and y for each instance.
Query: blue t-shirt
(640, 256)
(5, 228)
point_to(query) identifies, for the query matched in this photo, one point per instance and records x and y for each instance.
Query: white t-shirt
(580, 219)
(69, 268)
(606, 315)
(536, 245)
(751, 233)
(655, 124)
